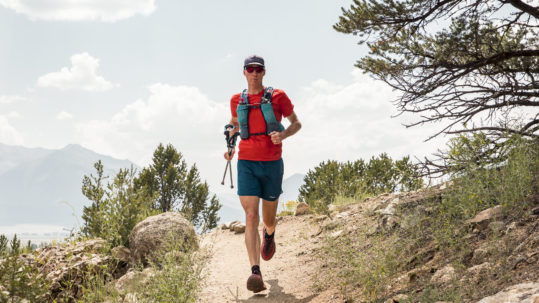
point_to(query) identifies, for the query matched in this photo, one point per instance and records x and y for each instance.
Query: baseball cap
(253, 60)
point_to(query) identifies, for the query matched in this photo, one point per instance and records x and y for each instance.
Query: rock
(332, 208)
(224, 226)
(443, 275)
(522, 293)
(239, 228)
(121, 253)
(336, 234)
(482, 219)
(390, 209)
(496, 227)
(320, 218)
(154, 233)
(478, 271)
(232, 224)
(68, 264)
(479, 255)
(229, 225)
(302, 209)
(512, 226)
(131, 298)
(342, 215)
(133, 279)
(398, 299)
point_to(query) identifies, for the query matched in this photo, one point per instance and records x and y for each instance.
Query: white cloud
(63, 115)
(69, 10)
(348, 122)
(180, 115)
(81, 75)
(8, 134)
(10, 99)
(14, 115)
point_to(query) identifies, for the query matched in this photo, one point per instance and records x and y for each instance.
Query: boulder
(482, 219)
(239, 228)
(162, 231)
(522, 293)
(443, 275)
(232, 224)
(231, 227)
(302, 209)
(121, 253)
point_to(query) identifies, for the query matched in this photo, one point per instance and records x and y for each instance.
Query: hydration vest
(267, 111)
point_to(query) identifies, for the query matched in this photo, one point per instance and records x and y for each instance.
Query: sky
(120, 77)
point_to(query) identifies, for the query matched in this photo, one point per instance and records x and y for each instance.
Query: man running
(256, 113)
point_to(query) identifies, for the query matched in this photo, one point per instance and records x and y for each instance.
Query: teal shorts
(260, 178)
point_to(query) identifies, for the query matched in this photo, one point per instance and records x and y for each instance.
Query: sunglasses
(251, 69)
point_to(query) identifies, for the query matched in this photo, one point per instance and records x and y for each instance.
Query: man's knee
(251, 217)
(270, 221)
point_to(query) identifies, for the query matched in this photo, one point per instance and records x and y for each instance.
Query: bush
(357, 179)
(116, 209)
(478, 185)
(20, 280)
(287, 209)
(179, 274)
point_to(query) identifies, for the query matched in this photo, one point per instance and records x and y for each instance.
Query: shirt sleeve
(234, 105)
(285, 105)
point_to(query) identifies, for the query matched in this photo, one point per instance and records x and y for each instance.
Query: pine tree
(467, 65)
(93, 189)
(178, 188)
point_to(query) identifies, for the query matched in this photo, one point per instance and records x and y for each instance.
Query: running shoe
(255, 283)
(268, 246)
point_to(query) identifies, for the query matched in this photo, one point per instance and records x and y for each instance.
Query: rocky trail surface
(289, 275)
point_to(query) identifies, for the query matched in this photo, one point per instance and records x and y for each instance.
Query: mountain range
(43, 186)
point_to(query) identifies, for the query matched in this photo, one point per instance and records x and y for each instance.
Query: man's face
(254, 73)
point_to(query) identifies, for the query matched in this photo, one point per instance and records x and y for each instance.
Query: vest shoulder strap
(244, 97)
(268, 94)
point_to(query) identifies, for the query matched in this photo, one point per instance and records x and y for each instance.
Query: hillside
(335, 257)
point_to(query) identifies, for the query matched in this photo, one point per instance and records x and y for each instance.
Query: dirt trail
(288, 275)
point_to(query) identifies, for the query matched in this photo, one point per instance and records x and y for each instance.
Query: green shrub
(478, 185)
(116, 207)
(366, 268)
(20, 280)
(179, 274)
(358, 179)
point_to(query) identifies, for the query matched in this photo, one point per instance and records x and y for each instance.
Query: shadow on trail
(276, 294)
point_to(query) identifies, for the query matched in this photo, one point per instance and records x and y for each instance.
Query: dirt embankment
(300, 268)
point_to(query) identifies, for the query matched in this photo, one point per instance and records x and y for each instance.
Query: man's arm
(233, 121)
(294, 127)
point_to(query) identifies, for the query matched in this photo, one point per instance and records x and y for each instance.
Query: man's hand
(277, 137)
(229, 156)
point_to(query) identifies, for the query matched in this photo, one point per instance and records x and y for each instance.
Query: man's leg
(252, 238)
(252, 242)
(269, 211)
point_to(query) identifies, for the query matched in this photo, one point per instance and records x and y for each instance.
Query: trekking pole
(230, 143)
(224, 175)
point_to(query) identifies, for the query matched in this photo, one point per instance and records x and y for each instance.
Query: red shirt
(260, 147)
